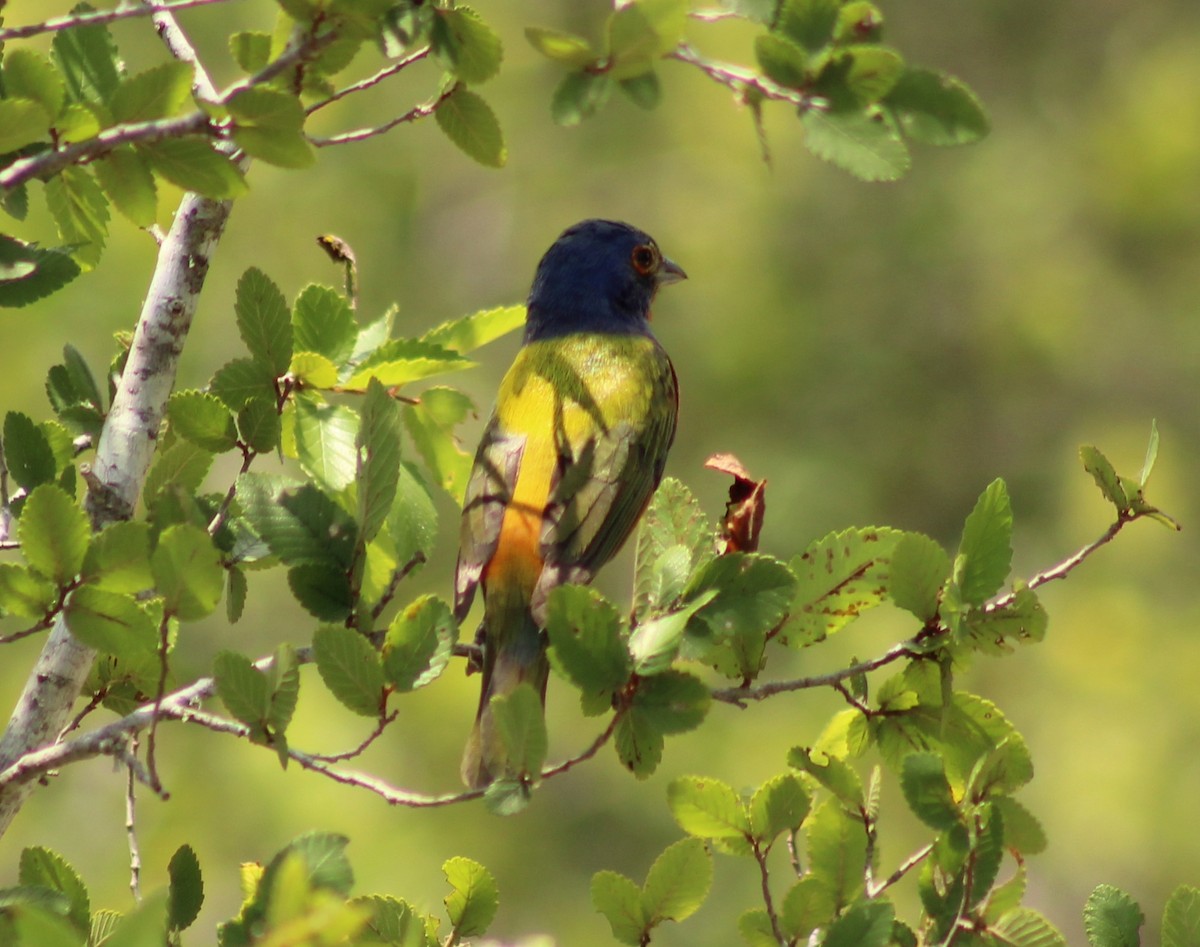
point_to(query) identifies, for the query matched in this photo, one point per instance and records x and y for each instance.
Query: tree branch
(97, 18)
(362, 134)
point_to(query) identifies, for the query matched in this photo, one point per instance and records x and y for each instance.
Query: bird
(570, 458)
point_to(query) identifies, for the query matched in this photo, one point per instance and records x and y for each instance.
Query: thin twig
(739, 79)
(905, 867)
(218, 520)
(362, 747)
(135, 855)
(398, 576)
(558, 768)
(26, 632)
(760, 856)
(164, 627)
(98, 17)
(362, 134)
(386, 72)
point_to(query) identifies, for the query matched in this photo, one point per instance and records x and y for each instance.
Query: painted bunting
(571, 456)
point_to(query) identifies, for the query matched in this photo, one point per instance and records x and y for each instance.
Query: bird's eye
(645, 258)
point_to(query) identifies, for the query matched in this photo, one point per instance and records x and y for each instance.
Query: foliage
(369, 442)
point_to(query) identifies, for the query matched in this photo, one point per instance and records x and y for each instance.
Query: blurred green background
(878, 352)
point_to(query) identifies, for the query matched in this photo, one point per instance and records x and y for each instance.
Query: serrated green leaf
(837, 851)
(269, 125)
(242, 380)
(672, 702)
(322, 322)
(203, 419)
(28, 272)
(235, 594)
(674, 540)
(1112, 918)
(655, 643)
(195, 165)
(80, 211)
(927, 791)
(250, 50)
(350, 668)
(161, 91)
(469, 122)
(832, 772)
(1181, 918)
(782, 60)
(677, 882)
(325, 595)
(1022, 830)
(919, 567)
(378, 460)
(639, 744)
(182, 466)
(126, 179)
(418, 643)
(807, 905)
(243, 688)
(187, 572)
(584, 630)
(263, 321)
(77, 123)
(755, 927)
(937, 109)
(27, 452)
(566, 48)
(54, 533)
(35, 925)
(579, 95)
(186, 890)
(1024, 619)
(259, 426)
(431, 425)
(412, 526)
(24, 593)
(1025, 927)
(118, 558)
(707, 808)
(42, 868)
(1105, 476)
(111, 623)
(88, 58)
(325, 436)
(476, 330)
(313, 371)
(865, 144)
(640, 32)
(521, 724)
(838, 578)
(401, 361)
(865, 924)
(298, 522)
(22, 122)
(30, 75)
(807, 22)
(467, 46)
(474, 897)
(779, 805)
(619, 899)
(985, 551)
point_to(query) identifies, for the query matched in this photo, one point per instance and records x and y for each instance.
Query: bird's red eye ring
(645, 258)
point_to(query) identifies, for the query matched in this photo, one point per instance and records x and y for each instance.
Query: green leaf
(299, 523)
(269, 125)
(832, 772)
(707, 808)
(160, 92)
(1022, 830)
(619, 899)
(325, 436)
(42, 868)
(28, 272)
(641, 31)
(30, 75)
(1025, 927)
(431, 425)
(838, 578)
(87, 56)
(1023, 619)
(985, 551)
(27, 452)
(655, 643)
(1181, 918)
(808, 22)
(126, 180)
(378, 459)
(782, 60)
(567, 48)
(927, 791)
(243, 688)
(639, 744)
(235, 595)
(203, 419)
(470, 123)
(412, 525)
(865, 924)
(22, 122)
(807, 905)
(674, 540)
(54, 533)
(77, 123)
(779, 805)
(466, 46)
(418, 643)
(195, 165)
(311, 370)
(36, 925)
(111, 623)
(259, 425)
(865, 144)
(521, 725)
(837, 851)
(584, 630)
(920, 566)
(937, 109)
(25, 593)
(187, 572)
(474, 897)
(644, 91)
(578, 96)
(672, 702)
(323, 322)
(187, 889)
(80, 211)
(1105, 476)
(1112, 918)
(243, 380)
(182, 466)
(677, 882)
(350, 668)
(264, 322)
(1151, 454)
(325, 595)
(250, 50)
(400, 361)
(476, 330)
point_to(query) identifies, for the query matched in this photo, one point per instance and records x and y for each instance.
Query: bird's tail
(512, 655)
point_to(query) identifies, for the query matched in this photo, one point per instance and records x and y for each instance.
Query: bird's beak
(669, 272)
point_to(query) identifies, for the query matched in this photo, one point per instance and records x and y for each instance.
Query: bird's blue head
(599, 276)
